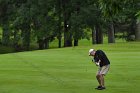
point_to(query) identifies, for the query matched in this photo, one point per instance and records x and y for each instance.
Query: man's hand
(97, 63)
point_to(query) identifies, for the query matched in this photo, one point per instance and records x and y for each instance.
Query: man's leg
(102, 80)
(102, 73)
(98, 79)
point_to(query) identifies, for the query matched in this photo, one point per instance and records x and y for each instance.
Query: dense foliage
(41, 21)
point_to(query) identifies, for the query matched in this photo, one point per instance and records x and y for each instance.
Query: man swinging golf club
(101, 60)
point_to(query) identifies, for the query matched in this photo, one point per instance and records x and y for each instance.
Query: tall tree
(66, 5)
(138, 26)
(44, 22)
(110, 8)
(93, 16)
(130, 11)
(22, 23)
(76, 22)
(4, 21)
(59, 21)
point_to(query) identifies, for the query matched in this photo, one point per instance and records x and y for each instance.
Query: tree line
(42, 21)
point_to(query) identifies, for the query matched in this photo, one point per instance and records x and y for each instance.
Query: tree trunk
(26, 37)
(15, 44)
(93, 36)
(99, 35)
(137, 33)
(67, 15)
(67, 38)
(59, 23)
(41, 43)
(111, 34)
(59, 41)
(46, 43)
(75, 42)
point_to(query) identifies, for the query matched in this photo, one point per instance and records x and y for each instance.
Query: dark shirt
(100, 55)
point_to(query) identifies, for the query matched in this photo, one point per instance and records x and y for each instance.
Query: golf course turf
(70, 70)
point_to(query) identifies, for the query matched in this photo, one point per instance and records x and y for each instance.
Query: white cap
(90, 51)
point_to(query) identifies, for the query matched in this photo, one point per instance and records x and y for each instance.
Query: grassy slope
(69, 70)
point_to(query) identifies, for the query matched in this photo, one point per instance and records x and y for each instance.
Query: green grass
(70, 70)
(84, 42)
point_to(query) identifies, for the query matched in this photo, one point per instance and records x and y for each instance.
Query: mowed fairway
(70, 70)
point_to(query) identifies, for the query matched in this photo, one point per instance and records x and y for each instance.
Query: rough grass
(70, 70)
(4, 49)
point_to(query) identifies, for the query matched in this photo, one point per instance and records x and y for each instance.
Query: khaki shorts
(103, 70)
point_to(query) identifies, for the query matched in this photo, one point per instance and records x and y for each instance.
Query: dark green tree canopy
(41, 21)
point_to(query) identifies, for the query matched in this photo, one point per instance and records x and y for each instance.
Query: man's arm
(98, 63)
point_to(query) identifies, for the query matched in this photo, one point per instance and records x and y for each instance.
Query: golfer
(101, 60)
